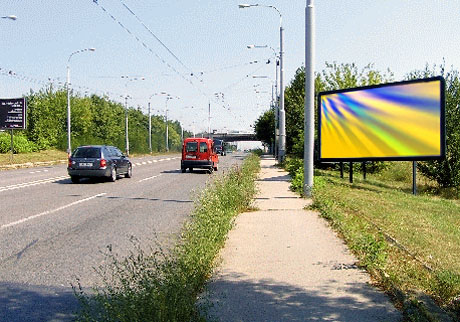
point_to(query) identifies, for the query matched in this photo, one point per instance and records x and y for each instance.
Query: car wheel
(75, 179)
(113, 175)
(183, 170)
(216, 167)
(191, 169)
(129, 174)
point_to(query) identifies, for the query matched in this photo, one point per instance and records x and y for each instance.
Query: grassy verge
(409, 244)
(164, 286)
(42, 156)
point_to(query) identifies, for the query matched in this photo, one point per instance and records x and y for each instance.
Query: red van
(199, 153)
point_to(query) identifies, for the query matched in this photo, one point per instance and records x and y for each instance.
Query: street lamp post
(309, 126)
(126, 125)
(69, 144)
(282, 115)
(168, 97)
(150, 129)
(128, 78)
(276, 101)
(166, 122)
(150, 123)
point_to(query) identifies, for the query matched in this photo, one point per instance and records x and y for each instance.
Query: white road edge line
(145, 179)
(50, 211)
(32, 183)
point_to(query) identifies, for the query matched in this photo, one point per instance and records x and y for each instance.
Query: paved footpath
(283, 263)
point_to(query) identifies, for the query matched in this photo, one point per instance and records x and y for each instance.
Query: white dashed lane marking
(38, 171)
(149, 178)
(153, 161)
(32, 183)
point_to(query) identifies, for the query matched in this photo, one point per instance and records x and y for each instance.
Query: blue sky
(209, 37)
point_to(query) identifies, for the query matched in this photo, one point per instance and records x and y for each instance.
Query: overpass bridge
(232, 137)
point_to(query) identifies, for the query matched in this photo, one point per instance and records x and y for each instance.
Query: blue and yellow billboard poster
(396, 121)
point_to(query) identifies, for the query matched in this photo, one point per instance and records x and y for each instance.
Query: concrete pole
(126, 125)
(69, 146)
(209, 120)
(309, 127)
(150, 129)
(167, 129)
(282, 116)
(276, 110)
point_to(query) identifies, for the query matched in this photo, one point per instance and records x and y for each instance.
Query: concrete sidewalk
(283, 263)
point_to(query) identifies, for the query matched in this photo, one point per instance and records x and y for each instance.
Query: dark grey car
(98, 161)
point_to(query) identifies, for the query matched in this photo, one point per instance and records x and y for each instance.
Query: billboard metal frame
(442, 124)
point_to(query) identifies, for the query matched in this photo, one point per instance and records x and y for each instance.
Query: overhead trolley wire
(155, 36)
(144, 44)
(172, 54)
(209, 97)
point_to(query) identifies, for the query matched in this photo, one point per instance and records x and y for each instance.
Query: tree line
(335, 76)
(94, 120)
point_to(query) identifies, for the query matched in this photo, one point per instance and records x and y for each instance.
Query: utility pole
(209, 119)
(282, 116)
(126, 125)
(276, 112)
(166, 123)
(309, 109)
(150, 129)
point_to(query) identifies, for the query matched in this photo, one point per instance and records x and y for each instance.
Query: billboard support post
(364, 170)
(414, 178)
(351, 172)
(12, 146)
(341, 170)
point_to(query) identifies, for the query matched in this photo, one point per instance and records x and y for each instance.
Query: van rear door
(191, 150)
(204, 151)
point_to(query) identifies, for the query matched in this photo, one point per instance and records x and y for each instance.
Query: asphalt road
(53, 232)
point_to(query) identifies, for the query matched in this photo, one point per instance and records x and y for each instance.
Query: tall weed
(163, 286)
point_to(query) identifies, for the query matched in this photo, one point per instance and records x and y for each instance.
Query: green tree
(333, 77)
(445, 172)
(95, 120)
(46, 119)
(265, 127)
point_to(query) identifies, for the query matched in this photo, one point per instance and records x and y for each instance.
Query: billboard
(396, 121)
(13, 113)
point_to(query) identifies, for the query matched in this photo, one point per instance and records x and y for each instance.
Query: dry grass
(42, 156)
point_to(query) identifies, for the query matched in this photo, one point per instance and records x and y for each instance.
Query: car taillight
(70, 163)
(103, 163)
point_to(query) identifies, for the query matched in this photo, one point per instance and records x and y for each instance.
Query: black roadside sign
(13, 113)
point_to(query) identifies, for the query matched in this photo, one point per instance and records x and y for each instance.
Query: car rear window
(203, 147)
(87, 153)
(191, 147)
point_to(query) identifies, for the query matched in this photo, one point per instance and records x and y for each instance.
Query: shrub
(292, 165)
(20, 144)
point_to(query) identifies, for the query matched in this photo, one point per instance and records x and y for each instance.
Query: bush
(20, 144)
(292, 165)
